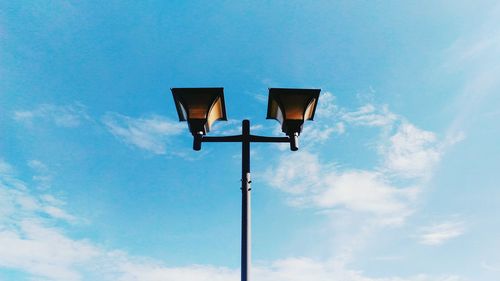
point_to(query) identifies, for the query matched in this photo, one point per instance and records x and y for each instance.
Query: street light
(291, 107)
(200, 107)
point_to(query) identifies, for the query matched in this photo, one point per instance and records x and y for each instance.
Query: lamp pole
(245, 138)
(246, 214)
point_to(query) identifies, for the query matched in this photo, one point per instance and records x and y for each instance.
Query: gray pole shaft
(245, 203)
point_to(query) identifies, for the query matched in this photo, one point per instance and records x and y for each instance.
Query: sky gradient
(396, 179)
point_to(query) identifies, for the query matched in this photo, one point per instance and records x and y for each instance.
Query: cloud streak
(440, 233)
(370, 115)
(149, 133)
(67, 116)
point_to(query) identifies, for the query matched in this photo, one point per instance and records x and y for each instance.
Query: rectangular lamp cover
(291, 107)
(200, 107)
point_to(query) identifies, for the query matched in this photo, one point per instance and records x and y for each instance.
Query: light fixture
(291, 107)
(200, 107)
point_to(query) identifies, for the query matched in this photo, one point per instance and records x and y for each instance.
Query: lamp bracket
(241, 138)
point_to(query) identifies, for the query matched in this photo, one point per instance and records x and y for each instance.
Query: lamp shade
(200, 107)
(291, 107)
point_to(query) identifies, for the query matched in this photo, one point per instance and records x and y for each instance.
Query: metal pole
(245, 203)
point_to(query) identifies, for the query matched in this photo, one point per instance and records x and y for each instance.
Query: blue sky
(396, 179)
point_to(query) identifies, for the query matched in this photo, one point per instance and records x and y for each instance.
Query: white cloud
(232, 127)
(16, 200)
(364, 191)
(319, 132)
(122, 267)
(43, 251)
(311, 183)
(42, 175)
(362, 201)
(34, 245)
(405, 151)
(261, 98)
(370, 115)
(299, 269)
(388, 258)
(411, 152)
(439, 233)
(27, 240)
(68, 116)
(148, 133)
(490, 267)
(5, 168)
(290, 269)
(326, 123)
(327, 107)
(38, 166)
(296, 173)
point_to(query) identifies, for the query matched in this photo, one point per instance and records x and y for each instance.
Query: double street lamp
(201, 107)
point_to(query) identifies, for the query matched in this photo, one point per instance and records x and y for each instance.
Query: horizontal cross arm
(254, 138)
(241, 138)
(238, 138)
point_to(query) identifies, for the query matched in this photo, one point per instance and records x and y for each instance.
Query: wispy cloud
(68, 116)
(320, 132)
(362, 201)
(476, 49)
(42, 251)
(38, 246)
(42, 173)
(149, 133)
(298, 269)
(261, 98)
(490, 267)
(439, 233)
(475, 57)
(232, 127)
(327, 106)
(388, 258)
(405, 152)
(327, 122)
(31, 243)
(17, 199)
(28, 238)
(370, 115)
(325, 186)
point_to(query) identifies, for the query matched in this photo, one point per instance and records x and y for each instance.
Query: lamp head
(200, 107)
(291, 107)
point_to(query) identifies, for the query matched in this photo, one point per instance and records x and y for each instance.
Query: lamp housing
(200, 107)
(291, 107)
